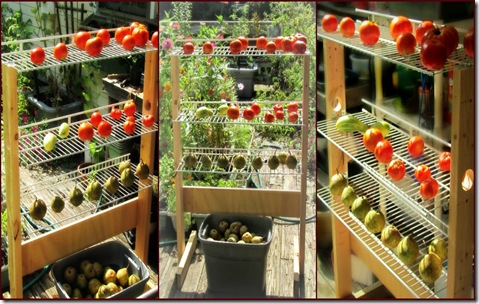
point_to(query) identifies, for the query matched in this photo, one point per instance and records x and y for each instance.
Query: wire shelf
(407, 222)
(225, 52)
(20, 60)
(385, 48)
(31, 147)
(61, 186)
(406, 190)
(188, 115)
(270, 178)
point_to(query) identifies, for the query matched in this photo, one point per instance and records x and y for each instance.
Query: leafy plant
(14, 28)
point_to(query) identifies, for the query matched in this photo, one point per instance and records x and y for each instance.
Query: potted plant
(244, 71)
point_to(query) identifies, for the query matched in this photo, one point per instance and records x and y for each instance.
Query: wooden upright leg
(12, 165)
(337, 162)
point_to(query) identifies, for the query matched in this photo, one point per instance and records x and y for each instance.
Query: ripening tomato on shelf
(96, 118)
(396, 170)
(270, 47)
(347, 27)
(415, 146)
(278, 42)
(154, 39)
(140, 34)
(128, 42)
(235, 46)
(85, 131)
(384, 151)
(369, 33)
(422, 172)
(268, 117)
(399, 25)
(244, 42)
(207, 48)
(329, 23)
(104, 35)
(104, 129)
(129, 108)
(94, 46)
(115, 113)
(233, 112)
(148, 120)
(429, 188)
(80, 39)
(248, 113)
(37, 55)
(277, 107)
(256, 108)
(60, 51)
(288, 44)
(279, 114)
(444, 161)
(292, 117)
(406, 44)
(422, 29)
(468, 43)
(129, 125)
(371, 138)
(299, 47)
(261, 43)
(120, 33)
(292, 107)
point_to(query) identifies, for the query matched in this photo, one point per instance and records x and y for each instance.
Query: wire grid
(406, 190)
(20, 60)
(32, 151)
(61, 185)
(188, 115)
(270, 178)
(407, 222)
(225, 52)
(385, 48)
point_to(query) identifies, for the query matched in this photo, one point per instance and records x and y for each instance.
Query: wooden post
(177, 153)
(335, 91)
(12, 181)
(304, 168)
(147, 154)
(461, 203)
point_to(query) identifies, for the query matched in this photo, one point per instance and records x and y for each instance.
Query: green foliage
(14, 28)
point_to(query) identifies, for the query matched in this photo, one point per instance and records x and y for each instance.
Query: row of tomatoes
(134, 35)
(383, 151)
(437, 43)
(295, 44)
(250, 112)
(104, 128)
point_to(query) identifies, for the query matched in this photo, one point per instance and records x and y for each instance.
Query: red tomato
(299, 47)
(279, 115)
(104, 129)
(268, 117)
(128, 42)
(134, 25)
(244, 42)
(369, 33)
(278, 42)
(120, 33)
(85, 131)
(399, 25)
(422, 29)
(406, 44)
(277, 107)
(233, 112)
(148, 120)
(396, 170)
(207, 47)
(445, 161)
(235, 46)
(80, 39)
(384, 151)
(129, 108)
(292, 106)
(140, 34)
(104, 35)
(288, 44)
(60, 51)
(261, 42)
(154, 39)
(256, 108)
(447, 35)
(429, 188)
(347, 27)
(329, 23)
(96, 118)
(270, 47)
(94, 46)
(468, 43)
(301, 37)
(115, 113)
(37, 55)
(248, 113)
(433, 54)
(129, 125)
(415, 146)
(188, 48)
(422, 172)
(371, 138)
(293, 117)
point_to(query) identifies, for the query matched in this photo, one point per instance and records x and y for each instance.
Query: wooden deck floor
(279, 266)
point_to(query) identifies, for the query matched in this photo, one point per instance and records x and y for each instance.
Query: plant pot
(199, 218)
(244, 76)
(5, 280)
(163, 220)
(48, 112)
(173, 221)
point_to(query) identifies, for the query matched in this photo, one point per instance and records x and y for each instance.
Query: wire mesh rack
(225, 52)
(188, 114)
(61, 186)
(31, 148)
(385, 48)
(408, 223)
(406, 190)
(20, 60)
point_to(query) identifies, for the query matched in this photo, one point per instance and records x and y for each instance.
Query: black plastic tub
(232, 269)
(113, 254)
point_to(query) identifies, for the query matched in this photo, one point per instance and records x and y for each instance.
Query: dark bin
(113, 254)
(236, 270)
